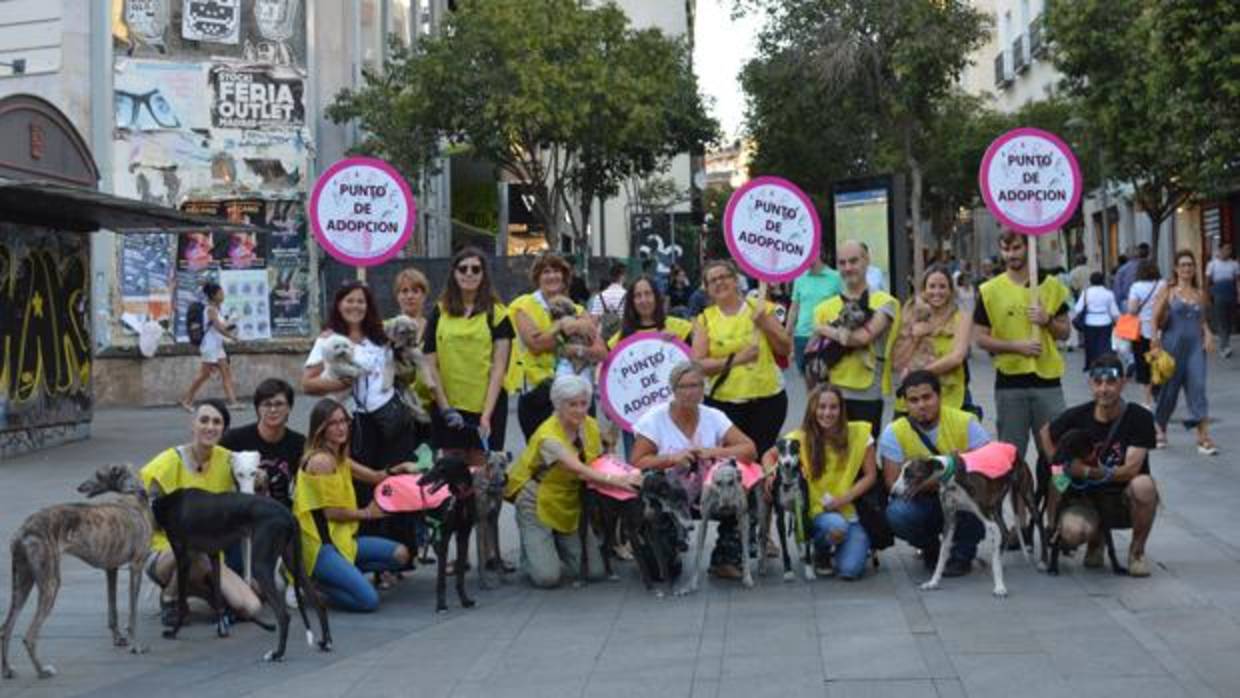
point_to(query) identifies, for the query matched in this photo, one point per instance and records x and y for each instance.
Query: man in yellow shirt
(1021, 335)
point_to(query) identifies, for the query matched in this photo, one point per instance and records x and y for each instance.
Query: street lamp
(1080, 126)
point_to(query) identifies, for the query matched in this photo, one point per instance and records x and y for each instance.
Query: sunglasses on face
(469, 268)
(1105, 375)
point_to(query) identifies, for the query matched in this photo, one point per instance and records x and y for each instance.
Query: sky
(722, 47)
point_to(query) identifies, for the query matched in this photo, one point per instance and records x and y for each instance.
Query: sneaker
(1207, 448)
(1093, 557)
(726, 571)
(822, 564)
(1137, 566)
(957, 568)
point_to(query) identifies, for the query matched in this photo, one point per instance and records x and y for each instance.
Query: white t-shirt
(1222, 270)
(1144, 292)
(657, 425)
(1098, 304)
(612, 297)
(370, 391)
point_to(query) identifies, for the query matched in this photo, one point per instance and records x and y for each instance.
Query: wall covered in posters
(45, 349)
(211, 118)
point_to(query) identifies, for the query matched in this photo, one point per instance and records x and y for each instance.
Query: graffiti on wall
(259, 31)
(45, 354)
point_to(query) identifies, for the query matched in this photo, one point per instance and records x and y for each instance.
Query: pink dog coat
(994, 460)
(405, 493)
(611, 465)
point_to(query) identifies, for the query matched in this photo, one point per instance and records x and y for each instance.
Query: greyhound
(106, 535)
(789, 498)
(249, 478)
(489, 484)
(663, 532)
(454, 518)
(196, 522)
(962, 490)
(723, 495)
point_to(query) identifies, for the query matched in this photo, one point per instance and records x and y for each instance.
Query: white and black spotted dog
(964, 491)
(789, 498)
(409, 364)
(722, 497)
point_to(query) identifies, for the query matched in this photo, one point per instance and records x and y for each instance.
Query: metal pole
(501, 239)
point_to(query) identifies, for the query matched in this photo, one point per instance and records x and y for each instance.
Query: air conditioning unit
(1002, 79)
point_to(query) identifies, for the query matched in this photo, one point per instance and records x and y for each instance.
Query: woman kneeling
(545, 486)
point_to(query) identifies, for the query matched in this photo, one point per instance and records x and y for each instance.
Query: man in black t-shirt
(279, 448)
(1113, 485)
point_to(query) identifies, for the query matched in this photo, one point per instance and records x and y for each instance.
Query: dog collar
(949, 468)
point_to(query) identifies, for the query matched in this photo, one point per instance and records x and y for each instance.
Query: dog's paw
(120, 641)
(441, 608)
(790, 576)
(809, 573)
(325, 646)
(929, 586)
(47, 671)
(271, 656)
(686, 590)
(1000, 592)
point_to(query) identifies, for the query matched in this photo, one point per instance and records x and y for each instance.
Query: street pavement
(1085, 633)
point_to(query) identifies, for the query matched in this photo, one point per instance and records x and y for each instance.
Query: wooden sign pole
(1032, 266)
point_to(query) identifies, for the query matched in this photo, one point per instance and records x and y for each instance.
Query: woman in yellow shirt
(545, 486)
(837, 459)
(325, 504)
(938, 343)
(200, 464)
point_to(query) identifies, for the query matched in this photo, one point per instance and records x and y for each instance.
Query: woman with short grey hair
(545, 486)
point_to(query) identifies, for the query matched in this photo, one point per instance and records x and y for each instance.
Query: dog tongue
(610, 465)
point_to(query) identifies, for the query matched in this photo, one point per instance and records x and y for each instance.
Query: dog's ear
(97, 484)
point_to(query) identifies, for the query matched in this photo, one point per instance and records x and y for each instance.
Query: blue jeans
(798, 347)
(919, 521)
(345, 584)
(851, 554)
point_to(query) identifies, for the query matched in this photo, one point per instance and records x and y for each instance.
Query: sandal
(1160, 442)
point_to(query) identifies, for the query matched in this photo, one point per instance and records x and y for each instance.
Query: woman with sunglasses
(1182, 329)
(533, 361)
(471, 327)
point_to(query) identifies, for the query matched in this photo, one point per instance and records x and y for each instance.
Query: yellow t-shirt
(463, 349)
(171, 472)
(1006, 303)
(853, 371)
(315, 492)
(841, 472)
(525, 368)
(680, 328)
(559, 489)
(730, 334)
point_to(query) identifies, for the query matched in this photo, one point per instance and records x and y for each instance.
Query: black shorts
(467, 438)
(1109, 504)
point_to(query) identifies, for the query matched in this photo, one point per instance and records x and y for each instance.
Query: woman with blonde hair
(1182, 329)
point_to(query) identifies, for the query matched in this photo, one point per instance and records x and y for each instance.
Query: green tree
(1134, 97)
(893, 62)
(571, 101)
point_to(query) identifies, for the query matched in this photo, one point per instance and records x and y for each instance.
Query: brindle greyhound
(105, 535)
(489, 482)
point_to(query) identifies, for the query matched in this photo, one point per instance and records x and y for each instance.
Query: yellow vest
(173, 474)
(952, 382)
(953, 434)
(731, 334)
(840, 474)
(525, 368)
(559, 489)
(1006, 303)
(315, 492)
(463, 356)
(851, 371)
(678, 327)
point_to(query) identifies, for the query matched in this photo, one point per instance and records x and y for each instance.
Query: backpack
(611, 320)
(195, 326)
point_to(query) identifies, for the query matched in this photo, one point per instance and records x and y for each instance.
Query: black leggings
(761, 418)
(866, 411)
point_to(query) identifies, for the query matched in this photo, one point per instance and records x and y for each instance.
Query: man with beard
(1113, 486)
(1021, 334)
(930, 429)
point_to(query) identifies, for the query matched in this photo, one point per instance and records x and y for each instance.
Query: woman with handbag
(1181, 322)
(1095, 315)
(1140, 304)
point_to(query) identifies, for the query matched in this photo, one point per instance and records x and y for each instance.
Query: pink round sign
(1031, 181)
(772, 229)
(633, 378)
(362, 211)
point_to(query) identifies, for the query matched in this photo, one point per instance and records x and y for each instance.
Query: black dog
(607, 516)
(664, 532)
(455, 517)
(1076, 444)
(199, 522)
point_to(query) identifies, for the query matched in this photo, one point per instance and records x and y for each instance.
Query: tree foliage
(569, 100)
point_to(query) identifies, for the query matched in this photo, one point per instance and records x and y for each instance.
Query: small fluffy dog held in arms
(572, 345)
(106, 535)
(789, 499)
(822, 353)
(199, 522)
(339, 364)
(917, 319)
(976, 482)
(410, 363)
(723, 495)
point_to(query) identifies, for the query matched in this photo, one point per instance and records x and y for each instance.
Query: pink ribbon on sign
(751, 473)
(994, 460)
(405, 494)
(610, 465)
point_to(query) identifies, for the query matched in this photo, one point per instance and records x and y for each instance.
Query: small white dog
(410, 364)
(339, 364)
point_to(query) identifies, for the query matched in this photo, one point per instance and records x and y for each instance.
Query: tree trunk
(914, 168)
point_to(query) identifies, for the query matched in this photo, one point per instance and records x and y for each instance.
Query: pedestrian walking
(214, 359)
(1097, 312)
(1140, 302)
(1183, 331)
(1224, 274)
